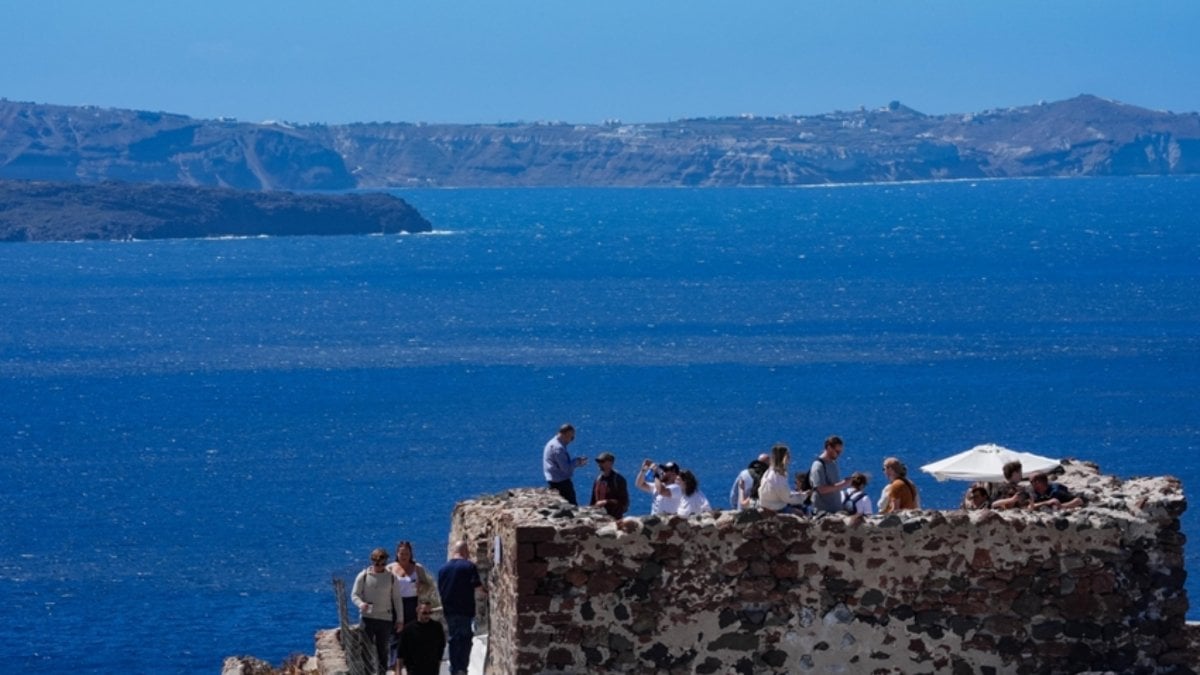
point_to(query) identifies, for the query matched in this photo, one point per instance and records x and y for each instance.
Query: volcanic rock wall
(1101, 588)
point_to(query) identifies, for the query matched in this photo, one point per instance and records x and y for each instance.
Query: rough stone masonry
(1097, 589)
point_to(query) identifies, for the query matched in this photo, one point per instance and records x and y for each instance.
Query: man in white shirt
(665, 489)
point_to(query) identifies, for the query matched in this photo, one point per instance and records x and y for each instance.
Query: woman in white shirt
(693, 500)
(774, 493)
(854, 498)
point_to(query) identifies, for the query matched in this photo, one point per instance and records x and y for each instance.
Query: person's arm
(397, 606)
(356, 594)
(640, 481)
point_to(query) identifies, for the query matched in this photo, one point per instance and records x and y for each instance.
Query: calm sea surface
(195, 436)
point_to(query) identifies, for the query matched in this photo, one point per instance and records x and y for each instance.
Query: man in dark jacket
(422, 642)
(610, 491)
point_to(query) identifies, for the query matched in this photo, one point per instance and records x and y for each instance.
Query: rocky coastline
(1083, 136)
(54, 211)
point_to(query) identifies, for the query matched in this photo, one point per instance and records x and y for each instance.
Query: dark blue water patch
(211, 429)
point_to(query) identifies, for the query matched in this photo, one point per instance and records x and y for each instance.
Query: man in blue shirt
(557, 465)
(1051, 495)
(457, 581)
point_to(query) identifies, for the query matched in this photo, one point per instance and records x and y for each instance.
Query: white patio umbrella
(986, 463)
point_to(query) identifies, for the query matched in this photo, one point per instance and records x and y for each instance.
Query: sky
(474, 61)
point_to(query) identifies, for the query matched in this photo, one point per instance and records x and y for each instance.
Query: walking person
(378, 600)
(557, 465)
(422, 642)
(414, 583)
(610, 491)
(457, 581)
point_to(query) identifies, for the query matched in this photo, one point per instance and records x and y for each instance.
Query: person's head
(379, 558)
(858, 480)
(1012, 472)
(803, 481)
(688, 479)
(894, 469)
(977, 497)
(404, 552)
(566, 434)
(779, 458)
(765, 459)
(424, 611)
(1040, 483)
(834, 447)
(459, 549)
(669, 472)
(605, 461)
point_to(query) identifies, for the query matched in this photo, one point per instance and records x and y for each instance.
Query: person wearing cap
(557, 465)
(665, 489)
(610, 491)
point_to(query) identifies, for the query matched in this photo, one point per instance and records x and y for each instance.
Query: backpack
(851, 500)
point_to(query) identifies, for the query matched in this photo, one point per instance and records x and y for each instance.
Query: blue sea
(196, 436)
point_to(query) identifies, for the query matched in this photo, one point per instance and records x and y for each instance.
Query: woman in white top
(774, 493)
(693, 500)
(413, 582)
(854, 498)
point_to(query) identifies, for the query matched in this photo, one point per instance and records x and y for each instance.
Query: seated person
(1052, 495)
(1010, 494)
(976, 498)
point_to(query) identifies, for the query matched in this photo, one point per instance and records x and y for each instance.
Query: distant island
(1083, 136)
(44, 211)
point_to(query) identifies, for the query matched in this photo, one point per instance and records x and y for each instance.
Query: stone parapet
(1100, 588)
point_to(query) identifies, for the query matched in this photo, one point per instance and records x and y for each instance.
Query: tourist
(744, 493)
(423, 641)
(610, 491)
(457, 583)
(854, 498)
(1010, 494)
(665, 488)
(557, 465)
(803, 483)
(773, 492)
(900, 493)
(414, 582)
(693, 500)
(976, 498)
(826, 478)
(377, 597)
(1051, 495)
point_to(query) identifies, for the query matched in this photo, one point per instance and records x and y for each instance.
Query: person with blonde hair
(900, 494)
(774, 493)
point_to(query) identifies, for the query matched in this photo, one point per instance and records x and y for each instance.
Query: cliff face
(89, 144)
(1079, 137)
(41, 211)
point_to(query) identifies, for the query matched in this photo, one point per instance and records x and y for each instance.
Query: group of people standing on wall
(397, 602)
(763, 484)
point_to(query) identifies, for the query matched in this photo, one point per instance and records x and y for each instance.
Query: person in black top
(422, 642)
(610, 491)
(1051, 495)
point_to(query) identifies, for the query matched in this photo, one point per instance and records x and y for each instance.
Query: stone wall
(1100, 588)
